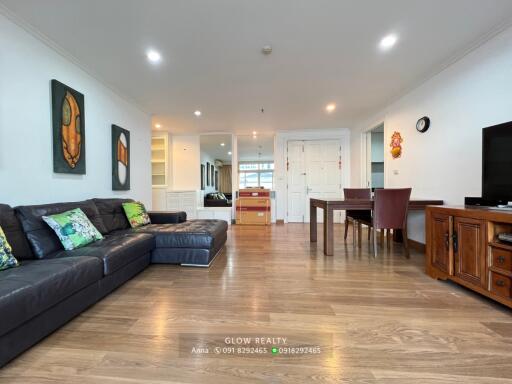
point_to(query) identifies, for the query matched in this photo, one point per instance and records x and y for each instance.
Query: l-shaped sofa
(51, 285)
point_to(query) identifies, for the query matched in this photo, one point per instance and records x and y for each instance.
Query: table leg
(359, 234)
(328, 231)
(312, 223)
(354, 233)
(397, 236)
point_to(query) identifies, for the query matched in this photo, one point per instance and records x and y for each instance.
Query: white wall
(377, 140)
(280, 146)
(26, 162)
(186, 157)
(445, 162)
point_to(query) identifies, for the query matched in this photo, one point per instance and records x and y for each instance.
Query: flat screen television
(497, 164)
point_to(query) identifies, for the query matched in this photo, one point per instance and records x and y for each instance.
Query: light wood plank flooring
(376, 321)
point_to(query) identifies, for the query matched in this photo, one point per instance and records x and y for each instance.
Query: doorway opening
(374, 162)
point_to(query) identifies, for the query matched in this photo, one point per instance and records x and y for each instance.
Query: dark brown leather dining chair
(357, 217)
(390, 212)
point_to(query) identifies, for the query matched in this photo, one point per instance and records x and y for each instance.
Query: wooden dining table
(331, 205)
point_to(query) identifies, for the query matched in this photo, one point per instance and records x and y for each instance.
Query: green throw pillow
(7, 259)
(73, 228)
(136, 214)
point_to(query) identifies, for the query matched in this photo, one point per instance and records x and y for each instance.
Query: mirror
(216, 175)
(256, 161)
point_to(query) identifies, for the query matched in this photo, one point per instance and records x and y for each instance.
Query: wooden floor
(375, 320)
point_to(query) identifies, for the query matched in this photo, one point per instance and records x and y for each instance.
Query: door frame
(281, 174)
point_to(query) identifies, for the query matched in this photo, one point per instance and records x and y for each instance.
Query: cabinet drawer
(501, 285)
(502, 259)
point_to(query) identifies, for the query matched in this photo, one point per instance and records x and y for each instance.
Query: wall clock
(423, 124)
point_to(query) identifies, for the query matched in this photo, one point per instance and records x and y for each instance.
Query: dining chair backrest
(357, 193)
(390, 208)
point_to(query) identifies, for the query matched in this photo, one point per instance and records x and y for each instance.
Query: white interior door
(296, 181)
(323, 173)
(314, 171)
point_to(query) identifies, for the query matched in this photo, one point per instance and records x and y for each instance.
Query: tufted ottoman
(192, 243)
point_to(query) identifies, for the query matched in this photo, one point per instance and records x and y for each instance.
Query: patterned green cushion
(73, 228)
(7, 259)
(136, 214)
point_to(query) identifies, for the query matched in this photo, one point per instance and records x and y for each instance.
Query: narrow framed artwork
(202, 177)
(212, 175)
(120, 159)
(68, 123)
(207, 174)
(217, 181)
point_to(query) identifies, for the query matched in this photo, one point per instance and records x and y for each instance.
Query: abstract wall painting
(207, 174)
(120, 159)
(68, 122)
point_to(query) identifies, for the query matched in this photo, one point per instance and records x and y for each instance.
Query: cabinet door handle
(501, 259)
(500, 283)
(447, 240)
(455, 242)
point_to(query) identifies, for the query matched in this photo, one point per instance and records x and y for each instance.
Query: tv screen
(497, 163)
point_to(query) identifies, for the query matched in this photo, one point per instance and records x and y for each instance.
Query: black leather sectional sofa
(52, 285)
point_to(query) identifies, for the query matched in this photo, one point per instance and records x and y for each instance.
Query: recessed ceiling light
(222, 144)
(388, 42)
(197, 113)
(254, 133)
(158, 126)
(153, 56)
(229, 153)
(330, 107)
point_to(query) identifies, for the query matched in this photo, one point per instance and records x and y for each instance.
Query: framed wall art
(68, 123)
(120, 159)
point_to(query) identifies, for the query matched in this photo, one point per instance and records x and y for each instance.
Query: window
(256, 174)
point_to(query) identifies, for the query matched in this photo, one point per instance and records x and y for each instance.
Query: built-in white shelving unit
(159, 160)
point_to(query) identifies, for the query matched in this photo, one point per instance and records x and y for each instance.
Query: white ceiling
(211, 144)
(324, 51)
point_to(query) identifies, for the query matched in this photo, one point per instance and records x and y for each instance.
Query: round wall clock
(423, 124)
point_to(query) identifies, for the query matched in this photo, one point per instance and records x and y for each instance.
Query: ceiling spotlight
(197, 113)
(222, 144)
(153, 56)
(254, 133)
(158, 126)
(330, 108)
(229, 153)
(267, 49)
(388, 42)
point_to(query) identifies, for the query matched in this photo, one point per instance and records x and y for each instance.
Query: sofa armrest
(167, 217)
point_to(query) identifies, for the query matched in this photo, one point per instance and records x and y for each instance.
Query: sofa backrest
(41, 237)
(112, 213)
(14, 233)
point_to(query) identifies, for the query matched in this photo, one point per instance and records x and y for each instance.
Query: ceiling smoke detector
(267, 49)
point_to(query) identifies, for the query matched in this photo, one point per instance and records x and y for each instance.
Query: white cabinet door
(183, 201)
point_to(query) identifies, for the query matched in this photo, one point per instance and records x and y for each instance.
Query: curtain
(225, 179)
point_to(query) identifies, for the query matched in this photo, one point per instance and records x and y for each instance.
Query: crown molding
(34, 32)
(458, 56)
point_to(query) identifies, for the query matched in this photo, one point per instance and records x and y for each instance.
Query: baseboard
(416, 245)
(280, 222)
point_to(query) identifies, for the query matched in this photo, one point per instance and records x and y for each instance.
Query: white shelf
(159, 160)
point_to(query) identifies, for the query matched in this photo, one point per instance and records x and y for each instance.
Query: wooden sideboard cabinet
(462, 246)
